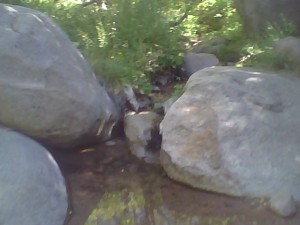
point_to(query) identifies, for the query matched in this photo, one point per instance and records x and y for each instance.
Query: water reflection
(128, 207)
(147, 200)
(114, 188)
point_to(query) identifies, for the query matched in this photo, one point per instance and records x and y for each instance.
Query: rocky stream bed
(108, 186)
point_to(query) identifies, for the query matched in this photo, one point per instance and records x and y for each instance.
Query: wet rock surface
(109, 186)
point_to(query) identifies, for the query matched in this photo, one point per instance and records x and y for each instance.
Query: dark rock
(288, 49)
(195, 62)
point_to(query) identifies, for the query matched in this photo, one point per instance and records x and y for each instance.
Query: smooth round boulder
(47, 89)
(32, 189)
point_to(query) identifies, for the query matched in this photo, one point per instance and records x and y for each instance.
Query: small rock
(155, 89)
(110, 143)
(162, 80)
(135, 100)
(195, 62)
(142, 134)
(283, 204)
(131, 97)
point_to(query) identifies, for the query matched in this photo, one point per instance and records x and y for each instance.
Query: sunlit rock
(235, 131)
(142, 134)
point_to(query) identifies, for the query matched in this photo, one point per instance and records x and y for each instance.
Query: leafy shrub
(217, 18)
(140, 41)
(124, 41)
(259, 52)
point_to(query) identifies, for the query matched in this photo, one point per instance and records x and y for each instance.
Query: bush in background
(128, 41)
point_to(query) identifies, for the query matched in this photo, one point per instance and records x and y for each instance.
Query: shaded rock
(235, 131)
(289, 49)
(142, 134)
(32, 188)
(283, 204)
(130, 97)
(155, 89)
(162, 80)
(47, 89)
(194, 62)
(134, 100)
(257, 15)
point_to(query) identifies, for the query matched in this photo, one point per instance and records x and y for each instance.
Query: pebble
(283, 204)
(110, 143)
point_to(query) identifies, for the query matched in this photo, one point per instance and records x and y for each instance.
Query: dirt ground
(92, 173)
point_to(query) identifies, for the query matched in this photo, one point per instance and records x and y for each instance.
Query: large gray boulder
(32, 189)
(235, 131)
(258, 14)
(47, 89)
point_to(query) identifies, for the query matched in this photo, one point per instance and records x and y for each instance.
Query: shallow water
(108, 186)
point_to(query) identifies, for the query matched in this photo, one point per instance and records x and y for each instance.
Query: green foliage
(124, 41)
(259, 52)
(127, 41)
(178, 90)
(217, 18)
(140, 41)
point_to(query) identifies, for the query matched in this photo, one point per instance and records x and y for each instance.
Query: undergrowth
(128, 41)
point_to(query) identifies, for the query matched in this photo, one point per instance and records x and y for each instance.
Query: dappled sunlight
(10, 9)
